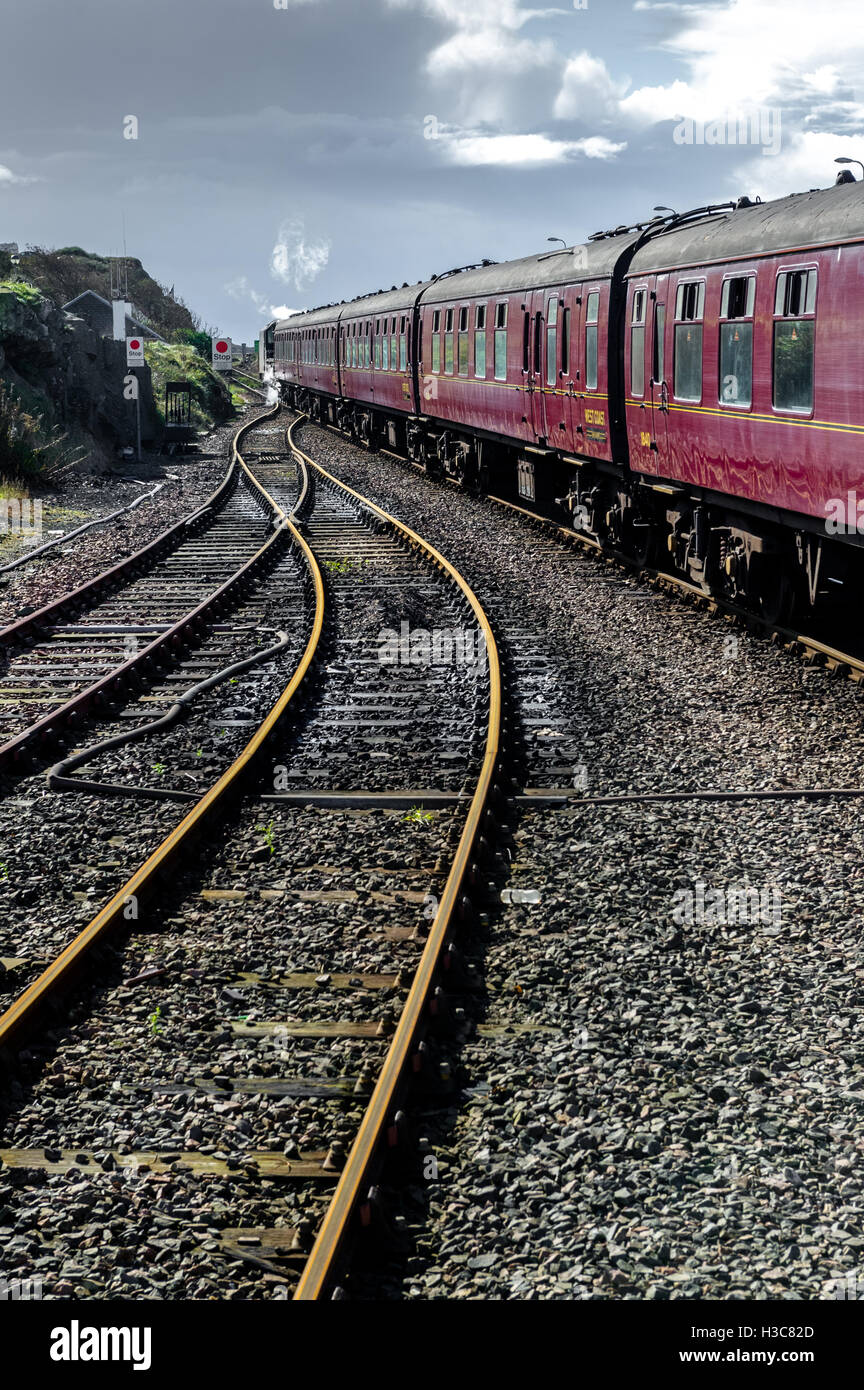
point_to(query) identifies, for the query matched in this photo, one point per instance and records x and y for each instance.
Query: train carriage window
(736, 300)
(689, 307)
(377, 344)
(448, 343)
(637, 343)
(565, 343)
(480, 340)
(403, 345)
(659, 365)
(463, 340)
(538, 338)
(794, 333)
(552, 342)
(592, 314)
(394, 345)
(436, 340)
(501, 342)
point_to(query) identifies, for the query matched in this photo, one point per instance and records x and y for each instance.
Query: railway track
(280, 990)
(79, 653)
(653, 1081)
(812, 649)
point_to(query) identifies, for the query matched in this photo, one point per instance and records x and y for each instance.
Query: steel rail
(79, 530)
(31, 622)
(25, 1009)
(320, 1267)
(22, 743)
(834, 659)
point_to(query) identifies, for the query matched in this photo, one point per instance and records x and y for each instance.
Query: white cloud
(488, 72)
(241, 289)
(748, 53)
(587, 91)
(526, 149)
(475, 14)
(7, 177)
(807, 161)
(295, 261)
(484, 51)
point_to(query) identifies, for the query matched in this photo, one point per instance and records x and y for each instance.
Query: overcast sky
(295, 152)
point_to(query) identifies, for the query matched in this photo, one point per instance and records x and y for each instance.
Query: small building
(98, 312)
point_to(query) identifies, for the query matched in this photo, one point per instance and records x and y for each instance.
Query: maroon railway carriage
(744, 374)
(519, 352)
(692, 385)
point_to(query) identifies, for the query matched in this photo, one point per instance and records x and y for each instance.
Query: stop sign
(222, 353)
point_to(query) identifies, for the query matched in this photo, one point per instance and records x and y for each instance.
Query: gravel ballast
(660, 1089)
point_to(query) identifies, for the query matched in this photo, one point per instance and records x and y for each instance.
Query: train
(688, 390)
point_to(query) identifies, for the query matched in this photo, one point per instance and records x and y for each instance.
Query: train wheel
(641, 545)
(775, 597)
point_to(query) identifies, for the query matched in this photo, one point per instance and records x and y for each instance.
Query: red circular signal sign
(134, 344)
(221, 346)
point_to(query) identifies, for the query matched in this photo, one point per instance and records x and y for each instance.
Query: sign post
(222, 357)
(135, 359)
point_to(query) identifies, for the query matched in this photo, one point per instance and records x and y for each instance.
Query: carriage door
(555, 370)
(659, 364)
(533, 368)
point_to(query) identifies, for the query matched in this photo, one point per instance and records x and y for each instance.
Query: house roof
(144, 329)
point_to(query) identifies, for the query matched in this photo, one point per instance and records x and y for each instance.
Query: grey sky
(290, 156)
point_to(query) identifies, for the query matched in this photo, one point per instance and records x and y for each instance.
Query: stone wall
(66, 372)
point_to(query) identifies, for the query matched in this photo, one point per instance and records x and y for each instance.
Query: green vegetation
(269, 837)
(68, 272)
(197, 338)
(158, 768)
(26, 293)
(153, 1020)
(417, 816)
(26, 447)
(347, 566)
(211, 399)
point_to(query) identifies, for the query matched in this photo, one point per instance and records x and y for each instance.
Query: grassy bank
(211, 396)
